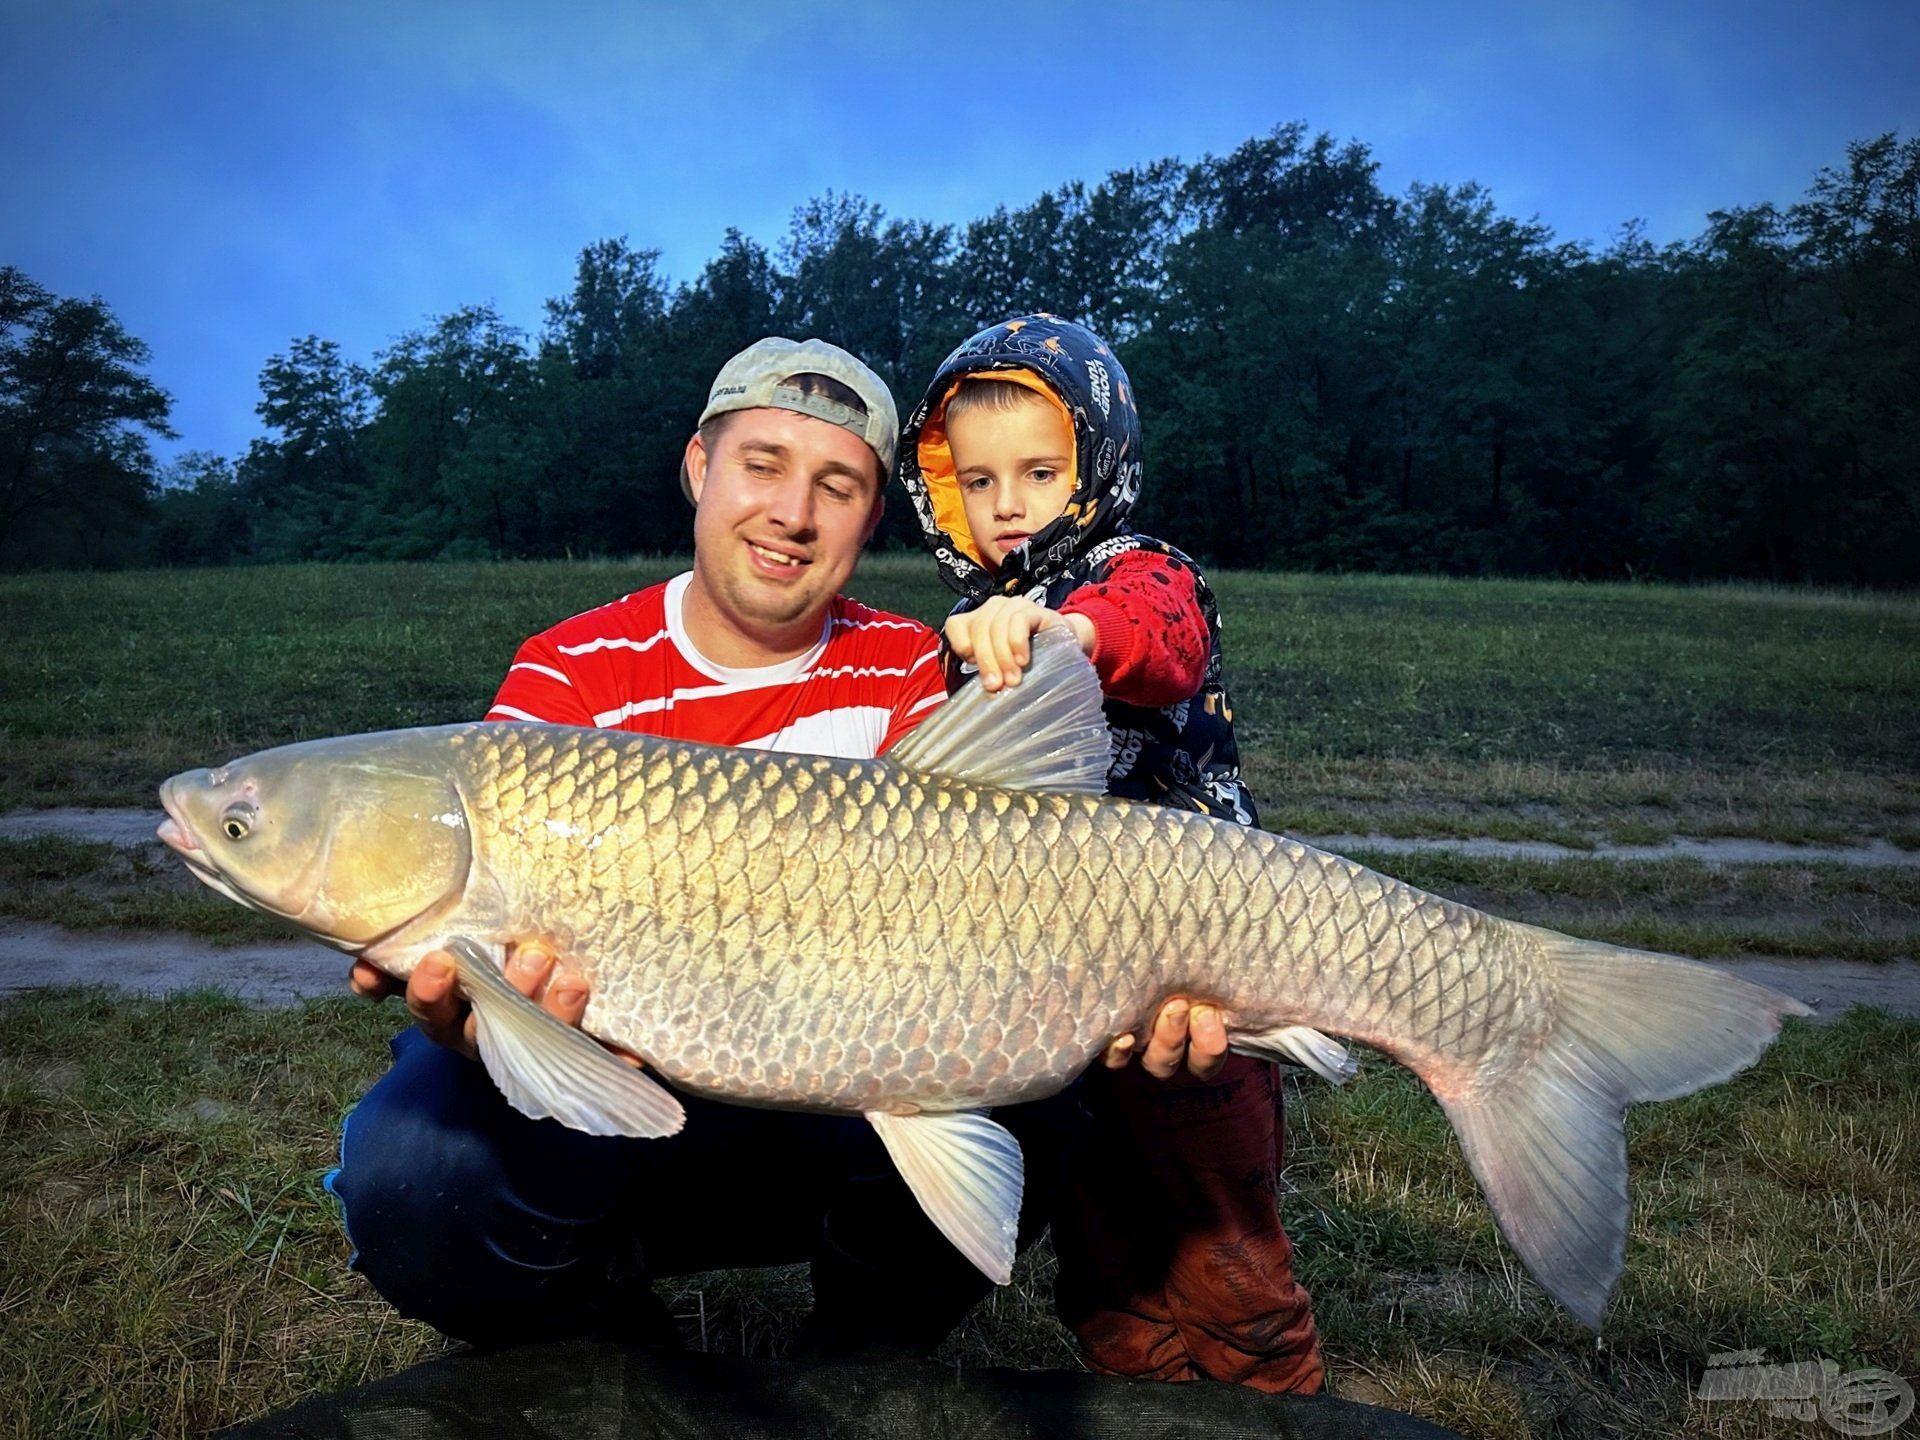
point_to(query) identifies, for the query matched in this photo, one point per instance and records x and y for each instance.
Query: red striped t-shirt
(630, 666)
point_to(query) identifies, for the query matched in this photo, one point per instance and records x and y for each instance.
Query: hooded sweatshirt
(1182, 753)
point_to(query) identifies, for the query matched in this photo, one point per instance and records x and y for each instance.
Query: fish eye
(237, 822)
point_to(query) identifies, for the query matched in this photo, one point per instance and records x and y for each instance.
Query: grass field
(168, 1263)
(1527, 706)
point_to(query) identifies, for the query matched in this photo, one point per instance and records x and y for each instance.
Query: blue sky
(228, 176)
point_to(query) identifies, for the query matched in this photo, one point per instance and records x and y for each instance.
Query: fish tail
(1546, 1141)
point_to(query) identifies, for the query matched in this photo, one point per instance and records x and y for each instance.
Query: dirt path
(280, 973)
(132, 826)
(1714, 850)
(161, 962)
(127, 826)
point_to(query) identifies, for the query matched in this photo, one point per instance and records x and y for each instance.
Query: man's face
(785, 503)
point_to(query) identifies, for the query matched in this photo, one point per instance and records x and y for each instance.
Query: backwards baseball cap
(761, 376)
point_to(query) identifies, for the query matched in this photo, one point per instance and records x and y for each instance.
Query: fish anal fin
(967, 1173)
(1299, 1045)
(1046, 733)
(549, 1070)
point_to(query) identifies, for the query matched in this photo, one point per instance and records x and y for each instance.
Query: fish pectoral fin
(549, 1070)
(1299, 1045)
(967, 1173)
(1049, 732)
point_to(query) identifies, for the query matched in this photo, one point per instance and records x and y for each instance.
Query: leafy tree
(611, 407)
(616, 307)
(199, 515)
(877, 287)
(1093, 256)
(1266, 354)
(309, 483)
(452, 444)
(75, 413)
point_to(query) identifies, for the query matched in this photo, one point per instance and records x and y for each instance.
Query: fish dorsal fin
(1046, 733)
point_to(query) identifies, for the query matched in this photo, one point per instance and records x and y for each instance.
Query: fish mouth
(177, 834)
(174, 831)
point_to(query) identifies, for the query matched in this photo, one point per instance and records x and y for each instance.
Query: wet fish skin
(797, 930)
(913, 939)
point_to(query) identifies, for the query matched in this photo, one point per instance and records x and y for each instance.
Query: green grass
(1422, 825)
(1396, 667)
(169, 1263)
(1543, 707)
(1684, 907)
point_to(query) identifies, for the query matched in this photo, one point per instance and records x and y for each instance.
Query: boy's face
(1015, 469)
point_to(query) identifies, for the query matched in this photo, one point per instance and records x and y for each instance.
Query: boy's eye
(1044, 476)
(975, 482)
(837, 492)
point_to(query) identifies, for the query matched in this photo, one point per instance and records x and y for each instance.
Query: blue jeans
(494, 1228)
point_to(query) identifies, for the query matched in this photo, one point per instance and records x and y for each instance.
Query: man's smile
(776, 558)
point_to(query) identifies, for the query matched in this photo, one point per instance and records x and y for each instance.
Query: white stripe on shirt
(608, 718)
(513, 714)
(847, 622)
(542, 669)
(614, 642)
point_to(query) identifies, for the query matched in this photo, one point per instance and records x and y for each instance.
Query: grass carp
(963, 924)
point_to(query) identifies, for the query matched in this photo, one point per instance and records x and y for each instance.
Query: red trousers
(1173, 1264)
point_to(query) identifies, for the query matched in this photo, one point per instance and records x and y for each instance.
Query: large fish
(966, 923)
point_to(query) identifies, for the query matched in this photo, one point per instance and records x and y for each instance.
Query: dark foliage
(1331, 378)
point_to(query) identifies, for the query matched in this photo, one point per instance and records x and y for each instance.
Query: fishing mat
(594, 1391)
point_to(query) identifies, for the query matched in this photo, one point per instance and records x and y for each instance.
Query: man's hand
(998, 637)
(448, 1020)
(1186, 1035)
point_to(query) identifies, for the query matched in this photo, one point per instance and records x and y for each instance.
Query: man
(493, 1227)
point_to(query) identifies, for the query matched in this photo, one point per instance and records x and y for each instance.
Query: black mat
(585, 1391)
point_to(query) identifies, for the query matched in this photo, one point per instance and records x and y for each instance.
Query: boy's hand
(448, 1020)
(998, 637)
(1183, 1035)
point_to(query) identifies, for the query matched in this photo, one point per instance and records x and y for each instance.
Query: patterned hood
(1087, 379)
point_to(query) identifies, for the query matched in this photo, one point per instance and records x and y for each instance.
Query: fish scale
(961, 925)
(873, 918)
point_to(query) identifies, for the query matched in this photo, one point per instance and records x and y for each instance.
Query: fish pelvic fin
(548, 1070)
(1547, 1142)
(1299, 1045)
(967, 1173)
(1046, 733)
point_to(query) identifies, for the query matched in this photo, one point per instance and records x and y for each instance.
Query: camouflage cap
(757, 378)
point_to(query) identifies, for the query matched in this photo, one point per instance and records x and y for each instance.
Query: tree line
(1329, 377)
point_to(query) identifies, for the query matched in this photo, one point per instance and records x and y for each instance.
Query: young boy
(1023, 463)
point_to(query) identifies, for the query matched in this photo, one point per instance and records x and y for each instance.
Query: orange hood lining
(935, 456)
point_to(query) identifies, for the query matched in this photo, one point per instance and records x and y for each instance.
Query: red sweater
(1149, 637)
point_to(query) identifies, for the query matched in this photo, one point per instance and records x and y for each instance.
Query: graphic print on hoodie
(1181, 754)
